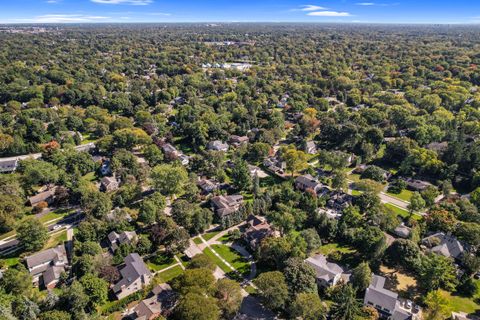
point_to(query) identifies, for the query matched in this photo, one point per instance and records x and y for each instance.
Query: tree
(295, 159)
(404, 253)
(202, 261)
(195, 306)
(437, 306)
(437, 272)
(151, 208)
(345, 305)
(308, 306)
(95, 203)
(169, 179)
(300, 276)
(339, 181)
(273, 289)
(153, 154)
(73, 298)
(16, 280)
(241, 175)
(32, 234)
(55, 315)
(361, 277)
(24, 308)
(38, 172)
(374, 173)
(275, 251)
(229, 295)
(312, 239)
(95, 288)
(194, 280)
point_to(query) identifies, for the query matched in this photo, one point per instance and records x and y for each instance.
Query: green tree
(95, 288)
(195, 306)
(194, 280)
(32, 234)
(416, 203)
(437, 306)
(308, 306)
(300, 276)
(169, 179)
(55, 315)
(241, 176)
(345, 304)
(361, 277)
(437, 272)
(16, 280)
(273, 289)
(229, 295)
(202, 261)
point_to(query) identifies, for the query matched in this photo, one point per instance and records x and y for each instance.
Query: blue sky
(347, 11)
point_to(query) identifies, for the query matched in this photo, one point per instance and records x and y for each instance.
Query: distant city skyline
(339, 11)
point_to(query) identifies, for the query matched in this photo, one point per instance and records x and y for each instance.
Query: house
(257, 229)
(207, 186)
(339, 200)
(108, 184)
(238, 140)
(417, 185)
(135, 275)
(161, 299)
(217, 145)
(46, 266)
(8, 165)
(46, 196)
(307, 182)
(184, 159)
(254, 170)
(330, 213)
(445, 245)
(171, 153)
(116, 239)
(310, 147)
(226, 205)
(327, 273)
(402, 231)
(385, 301)
(275, 166)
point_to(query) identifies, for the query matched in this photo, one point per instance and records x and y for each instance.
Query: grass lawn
(10, 262)
(225, 238)
(250, 289)
(270, 181)
(209, 235)
(169, 274)
(55, 240)
(397, 280)
(233, 257)
(197, 240)
(354, 177)
(405, 195)
(55, 215)
(334, 247)
(356, 193)
(217, 260)
(160, 262)
(402, 212)
(91, 176)
(464, 304)
(7, 234)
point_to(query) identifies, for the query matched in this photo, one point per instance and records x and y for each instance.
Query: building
(238, 140)
(171, 153)
(161, 300)
(385, 301)
(47, 196)
(217, 145)
(307, 182)
(135, 275)
(417, 185)
(402, 231)
(226, 205)
(310, 147)
(339, 200)
(207, 186)
(8, 165)
(184, 159)
(445, 245)
(257, 229)
(105, 168)
(328, 274)
(115, 239)
(46, 266)
(108, 184)
(275, 166)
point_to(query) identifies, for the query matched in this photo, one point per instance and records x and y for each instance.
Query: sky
(339, 11)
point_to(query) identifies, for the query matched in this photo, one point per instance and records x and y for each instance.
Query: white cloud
(329, 14)
(365, 4)
(61, 18)
(131, 2)
(159, 14)
(311, 7)
(376, 4)
(53, 1)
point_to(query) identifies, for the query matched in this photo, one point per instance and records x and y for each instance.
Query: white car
(409, 304)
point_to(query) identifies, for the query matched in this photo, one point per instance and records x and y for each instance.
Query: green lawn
(458, 303)
(169, 274)
(91, 176)
(56, 239)
(209, 235)
(160, 262)
(354, 177)
(356, 192)
(405, 195)
(334, 247)
(225, 238)
(10, 262)
(55, 215)
(217, 260)
(233, 257)
(197, 240)
(402, 212)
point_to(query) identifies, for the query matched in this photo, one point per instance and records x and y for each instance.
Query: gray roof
(449, 245)
(325, 270)
(377, 295)
(217, 145)
(307, 181)
(134, 268)
(42, 196)
(163, 298)
(57, 254)
(225, 205)
(52, 274)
